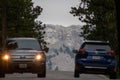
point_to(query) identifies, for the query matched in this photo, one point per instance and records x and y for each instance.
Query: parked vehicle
(95, 57)
(23, 55)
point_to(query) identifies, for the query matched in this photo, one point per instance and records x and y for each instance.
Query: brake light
(112, 53)
(82, 51)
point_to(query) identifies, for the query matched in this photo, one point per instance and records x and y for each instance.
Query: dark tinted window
(97, 46)
(23, 44)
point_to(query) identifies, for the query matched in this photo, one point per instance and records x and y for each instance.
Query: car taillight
(82, 51)
(112, 53)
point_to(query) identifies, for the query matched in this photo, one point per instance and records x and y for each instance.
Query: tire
(2, 75)
(76, 72)
(113, 75)
(42, 74)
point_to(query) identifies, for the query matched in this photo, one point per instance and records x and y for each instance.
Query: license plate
(22, 65)
(96, 57)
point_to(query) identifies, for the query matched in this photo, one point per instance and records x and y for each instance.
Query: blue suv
(95, 57)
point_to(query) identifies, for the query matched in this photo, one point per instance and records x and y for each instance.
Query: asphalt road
(54, 75)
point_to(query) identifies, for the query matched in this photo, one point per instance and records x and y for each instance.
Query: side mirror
(75, 51)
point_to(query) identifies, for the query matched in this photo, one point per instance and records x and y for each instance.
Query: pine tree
(99, 19)
(21, 15)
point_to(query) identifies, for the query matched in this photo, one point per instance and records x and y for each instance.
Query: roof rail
(95, 41)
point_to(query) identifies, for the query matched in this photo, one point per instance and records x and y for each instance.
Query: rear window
(23, 44)
(96, 46)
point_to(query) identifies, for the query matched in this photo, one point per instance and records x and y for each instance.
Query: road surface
(54, 75)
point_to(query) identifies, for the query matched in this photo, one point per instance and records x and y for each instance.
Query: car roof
(95, 41)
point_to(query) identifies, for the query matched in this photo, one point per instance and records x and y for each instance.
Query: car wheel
(76, 72)
(43, 75)
(113, 75)
(2, 75)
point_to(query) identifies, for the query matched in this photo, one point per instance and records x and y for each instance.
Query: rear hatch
(97, 54)
(97, 58)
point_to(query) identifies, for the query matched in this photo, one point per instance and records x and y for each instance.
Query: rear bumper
(22, 67)
(103, 69)
(96, 66)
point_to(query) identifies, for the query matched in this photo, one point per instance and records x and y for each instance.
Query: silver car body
(23, 53)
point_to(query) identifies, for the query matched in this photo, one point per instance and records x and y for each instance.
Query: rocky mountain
(62, 40)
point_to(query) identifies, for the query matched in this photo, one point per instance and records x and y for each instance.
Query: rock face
(62, 40)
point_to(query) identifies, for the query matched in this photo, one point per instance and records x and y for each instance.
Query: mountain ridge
(61, 41)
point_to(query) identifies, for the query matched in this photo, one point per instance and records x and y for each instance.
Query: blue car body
(95, 57)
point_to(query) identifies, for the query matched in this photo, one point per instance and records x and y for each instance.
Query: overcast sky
(57, 12)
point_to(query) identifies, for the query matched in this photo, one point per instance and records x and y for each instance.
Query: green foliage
(39, 33)
(99, 19)
(20, 19)
(39, 29)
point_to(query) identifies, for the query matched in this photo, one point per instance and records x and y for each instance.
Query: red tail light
(111, 52)
(82, 51)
